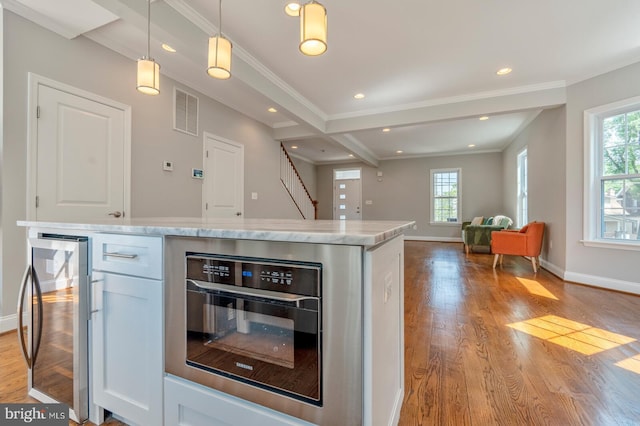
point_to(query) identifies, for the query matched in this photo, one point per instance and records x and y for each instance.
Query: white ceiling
(427, 68)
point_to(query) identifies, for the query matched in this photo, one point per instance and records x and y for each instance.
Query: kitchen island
(331, 292)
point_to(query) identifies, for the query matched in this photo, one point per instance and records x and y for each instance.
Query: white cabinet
(190, 404)
(127, 327)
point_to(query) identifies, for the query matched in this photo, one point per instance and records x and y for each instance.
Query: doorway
(79, 149)
(347, 194)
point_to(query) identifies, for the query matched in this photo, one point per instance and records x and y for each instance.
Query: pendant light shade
(219, 57)
(148, 81)
(148, 76)
(219, 64)
(313, 29)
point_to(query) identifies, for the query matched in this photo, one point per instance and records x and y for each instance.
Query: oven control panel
(268, 274)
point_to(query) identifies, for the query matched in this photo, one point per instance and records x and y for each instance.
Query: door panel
(223, 189)
(347, 200)
(80, 157)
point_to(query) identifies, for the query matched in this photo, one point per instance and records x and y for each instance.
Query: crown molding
(38, 18)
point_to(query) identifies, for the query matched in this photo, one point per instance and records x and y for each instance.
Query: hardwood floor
(485, 347)
(468, 362)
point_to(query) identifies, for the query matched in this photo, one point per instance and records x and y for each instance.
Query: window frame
(593, 174)
(522, 214)
(458, 172)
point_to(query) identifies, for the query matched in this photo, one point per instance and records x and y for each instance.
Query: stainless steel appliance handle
(120, 255)
(36, 281)
(21, 292)
(255, 292)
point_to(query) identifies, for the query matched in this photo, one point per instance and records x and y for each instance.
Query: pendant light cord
(220, 18)
(148, 29)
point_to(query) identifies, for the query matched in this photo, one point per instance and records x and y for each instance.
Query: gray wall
(404, 193)
(590, 264)
(544, 138)
(91, 67)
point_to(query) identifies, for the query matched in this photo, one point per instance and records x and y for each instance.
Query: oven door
(266, 338)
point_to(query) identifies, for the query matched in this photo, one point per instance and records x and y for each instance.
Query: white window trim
(522, 221)
(591, 207)
(432, 222)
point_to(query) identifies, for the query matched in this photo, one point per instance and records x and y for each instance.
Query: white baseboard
(8, 323)
(603, 282)
(555, 270)
(433, 239)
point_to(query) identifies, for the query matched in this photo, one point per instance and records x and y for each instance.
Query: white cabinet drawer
(128, 254)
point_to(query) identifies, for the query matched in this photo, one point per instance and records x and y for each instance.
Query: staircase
(292, 182)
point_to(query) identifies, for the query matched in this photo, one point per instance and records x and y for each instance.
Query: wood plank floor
(493, 348)
(513, 348)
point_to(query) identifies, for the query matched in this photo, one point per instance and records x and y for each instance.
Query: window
(445, 196)
(522, 208)
(612, 173)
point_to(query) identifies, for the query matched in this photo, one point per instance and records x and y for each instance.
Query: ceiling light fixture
(168, 48)
(272, 109)
(504, 71)
(386, 130)
(294, 146)
(483, 118)
(399, 152)
(359, 96)
(471, 145)
(292, 8)
(148, 70)
(219, 52)
(313, 29)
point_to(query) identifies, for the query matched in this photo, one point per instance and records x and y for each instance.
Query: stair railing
(292, 182)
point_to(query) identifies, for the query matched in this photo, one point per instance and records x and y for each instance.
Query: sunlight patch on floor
(631, 364)
(573, 335)
(534, 287)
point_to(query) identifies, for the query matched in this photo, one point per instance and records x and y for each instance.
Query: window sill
(456, 224)
(633, 245)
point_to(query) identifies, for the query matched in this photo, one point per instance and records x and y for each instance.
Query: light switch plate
(167, 165)
(254, 195)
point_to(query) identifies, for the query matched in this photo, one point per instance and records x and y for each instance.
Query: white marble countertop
(363, 233)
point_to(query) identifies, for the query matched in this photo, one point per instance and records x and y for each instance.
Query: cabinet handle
(21, 293)
(120, 255)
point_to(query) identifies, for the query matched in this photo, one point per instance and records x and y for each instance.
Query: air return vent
(185, 114)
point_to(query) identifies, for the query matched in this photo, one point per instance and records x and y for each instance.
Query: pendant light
(148, 69)
(219, 52)
(313, 29)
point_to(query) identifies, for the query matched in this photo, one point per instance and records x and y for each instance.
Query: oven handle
(255, 292)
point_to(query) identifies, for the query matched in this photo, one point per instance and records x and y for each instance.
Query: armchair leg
(533, 263)
(466, 248)
(495, 260)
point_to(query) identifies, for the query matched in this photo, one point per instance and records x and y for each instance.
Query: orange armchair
(525, 242)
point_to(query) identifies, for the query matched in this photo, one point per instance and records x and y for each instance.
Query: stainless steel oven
(257, 321)
(277, 324)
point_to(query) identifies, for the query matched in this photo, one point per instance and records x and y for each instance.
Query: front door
(347, 195)
(81, 155)
(223, 189)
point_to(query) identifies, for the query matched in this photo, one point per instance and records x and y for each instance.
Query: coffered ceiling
(427, 68)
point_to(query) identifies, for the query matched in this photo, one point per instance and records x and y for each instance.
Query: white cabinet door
(128, 347)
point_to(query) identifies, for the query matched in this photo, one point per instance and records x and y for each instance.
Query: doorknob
(115, 214)
(238, 213)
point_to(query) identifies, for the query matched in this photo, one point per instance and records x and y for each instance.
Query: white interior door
(223, 189)
(347, 199)
(81, 157)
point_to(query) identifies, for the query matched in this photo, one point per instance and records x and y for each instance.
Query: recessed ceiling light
(292, 8)
(294, 146)
(483, 118)
(350, 155)
(504, 71)
(399, 151)
(272, 109)
(168, 48)
(386, 129)
(471, 145)
(359, 96)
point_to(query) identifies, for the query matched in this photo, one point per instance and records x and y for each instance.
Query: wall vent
(185, 112)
